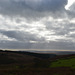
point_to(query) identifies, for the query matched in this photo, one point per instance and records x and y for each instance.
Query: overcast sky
(37, 24)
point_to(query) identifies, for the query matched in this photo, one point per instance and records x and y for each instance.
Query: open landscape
(29, 63)
(37, 37)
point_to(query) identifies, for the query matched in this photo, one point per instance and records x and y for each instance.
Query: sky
(37, 24)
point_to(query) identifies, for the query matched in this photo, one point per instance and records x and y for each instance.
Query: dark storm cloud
(47, 5)
(21, 36)
(15, 45)
(52, 45)
(55, 45)
(31, 8)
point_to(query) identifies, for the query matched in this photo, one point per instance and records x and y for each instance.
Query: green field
(68, 62)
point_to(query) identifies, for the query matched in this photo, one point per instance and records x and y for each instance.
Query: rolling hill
(29, 63)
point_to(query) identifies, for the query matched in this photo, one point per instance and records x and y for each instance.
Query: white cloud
(70, 2)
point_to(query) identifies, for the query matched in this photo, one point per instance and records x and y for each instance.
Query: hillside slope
(28, 63)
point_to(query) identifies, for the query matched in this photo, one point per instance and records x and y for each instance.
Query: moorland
(30, 63)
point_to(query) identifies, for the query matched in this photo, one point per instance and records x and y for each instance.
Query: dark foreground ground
(26, 63)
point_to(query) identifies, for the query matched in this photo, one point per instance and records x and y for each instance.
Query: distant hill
(7, 57)
(56, 52)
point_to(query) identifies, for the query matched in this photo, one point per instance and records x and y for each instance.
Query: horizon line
(37, 50)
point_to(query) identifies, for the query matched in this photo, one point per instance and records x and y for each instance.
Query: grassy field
(68, 62)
